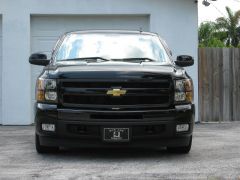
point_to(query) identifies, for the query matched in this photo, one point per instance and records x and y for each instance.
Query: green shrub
(213, 42)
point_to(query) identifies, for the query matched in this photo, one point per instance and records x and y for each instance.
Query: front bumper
(83, 128)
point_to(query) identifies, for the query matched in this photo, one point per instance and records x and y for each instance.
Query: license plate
(116, 134)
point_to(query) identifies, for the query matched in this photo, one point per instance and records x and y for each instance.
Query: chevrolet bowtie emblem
(116, 92)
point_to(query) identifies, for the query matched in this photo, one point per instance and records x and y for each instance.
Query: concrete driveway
(215, 155)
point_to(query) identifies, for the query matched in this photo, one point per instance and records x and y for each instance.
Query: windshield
(112, 47)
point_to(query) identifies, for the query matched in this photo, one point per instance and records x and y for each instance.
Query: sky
(210, 13)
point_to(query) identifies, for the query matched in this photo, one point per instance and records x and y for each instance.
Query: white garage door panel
(0, 70)
(45, 30)
(56, 25)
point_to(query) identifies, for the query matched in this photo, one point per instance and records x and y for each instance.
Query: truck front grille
(77, 93)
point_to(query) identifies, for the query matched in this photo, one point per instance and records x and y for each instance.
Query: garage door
(45, 30)
(0, 70)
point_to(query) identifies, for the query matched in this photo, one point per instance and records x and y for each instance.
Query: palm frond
(229, 12)
(237, 16)
(222, 23)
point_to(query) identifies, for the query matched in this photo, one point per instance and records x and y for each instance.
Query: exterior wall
(174, 20)
(0, 68)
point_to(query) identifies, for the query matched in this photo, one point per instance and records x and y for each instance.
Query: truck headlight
(51, 96)
(46, 90)
(184, 90)
(180, 96)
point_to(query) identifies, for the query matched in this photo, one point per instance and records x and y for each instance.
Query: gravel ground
(215, 155)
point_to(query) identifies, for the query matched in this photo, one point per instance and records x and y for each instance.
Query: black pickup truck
(108, 88)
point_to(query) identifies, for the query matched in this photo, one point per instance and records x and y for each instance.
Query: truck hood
(114, 70)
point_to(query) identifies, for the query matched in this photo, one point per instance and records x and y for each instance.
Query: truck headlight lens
(184, 90)
(180, 86)
(46, 90)
(51, 96)
(50, 84)
(180, 96)
(189, 96)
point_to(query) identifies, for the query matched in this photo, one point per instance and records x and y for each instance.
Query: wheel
(44, 149)
(181, 149)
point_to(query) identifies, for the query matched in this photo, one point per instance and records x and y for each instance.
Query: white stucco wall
(0, 68)
(174, 20)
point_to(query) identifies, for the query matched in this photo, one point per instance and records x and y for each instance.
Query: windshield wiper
(88, 59)
(138, 60)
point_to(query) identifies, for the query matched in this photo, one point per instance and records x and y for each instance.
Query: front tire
(44, 149)
(181, 149)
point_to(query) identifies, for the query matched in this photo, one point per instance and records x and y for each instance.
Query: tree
(208, 36)
(205, 32)
(230, 25)
(238, 32)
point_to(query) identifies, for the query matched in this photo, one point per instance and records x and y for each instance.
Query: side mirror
(184, 61)
(39, 59)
